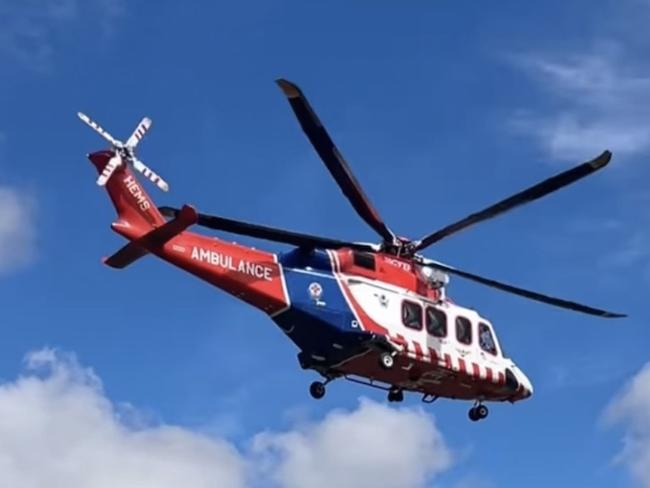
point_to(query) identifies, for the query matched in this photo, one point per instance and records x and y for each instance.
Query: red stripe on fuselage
(461, 365)
(476, 370)
(434, 355)
(447, 361)
(419, 354)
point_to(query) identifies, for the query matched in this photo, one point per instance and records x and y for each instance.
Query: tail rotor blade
(148, 173)
(139, 132)
(99, 129)
(109, 169)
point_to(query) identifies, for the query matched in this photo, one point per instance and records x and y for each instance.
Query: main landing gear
(478, 412)
(395, 394)
(386, 361)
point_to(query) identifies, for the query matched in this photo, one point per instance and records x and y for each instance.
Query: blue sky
(440, 109)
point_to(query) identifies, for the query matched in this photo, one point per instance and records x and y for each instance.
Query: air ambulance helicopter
(377, 314)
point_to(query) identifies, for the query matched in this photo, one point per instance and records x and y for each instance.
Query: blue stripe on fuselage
(316, 323)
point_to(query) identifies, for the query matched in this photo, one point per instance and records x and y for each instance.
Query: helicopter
(377, 314)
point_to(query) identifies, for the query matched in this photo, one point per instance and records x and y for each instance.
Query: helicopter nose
(526, 385)
(519, 384)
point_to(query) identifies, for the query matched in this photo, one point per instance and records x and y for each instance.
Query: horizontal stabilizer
(140, 247)
(125, 256)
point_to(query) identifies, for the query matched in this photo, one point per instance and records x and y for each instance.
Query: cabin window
(436, 321)
(364, 260)
(463, 330)
(486, 339)
(412, 315)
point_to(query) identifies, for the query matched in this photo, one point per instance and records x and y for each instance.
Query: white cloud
(631, 409)
(372, 447)
(605, 103)
(58, 429)
(30, 28)
(17, 229)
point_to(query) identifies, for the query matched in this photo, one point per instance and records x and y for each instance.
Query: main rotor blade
(558, 302)
(333, 159)
(533, 193)
(270, 233)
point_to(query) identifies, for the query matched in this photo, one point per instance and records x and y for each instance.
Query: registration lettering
(398, 264)
(227, 262)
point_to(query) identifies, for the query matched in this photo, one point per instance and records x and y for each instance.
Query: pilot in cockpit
(486, 341)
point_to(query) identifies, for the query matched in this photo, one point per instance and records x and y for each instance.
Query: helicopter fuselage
(342, 308)
(372, 313)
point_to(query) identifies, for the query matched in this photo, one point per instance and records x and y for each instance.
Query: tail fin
(137, 214)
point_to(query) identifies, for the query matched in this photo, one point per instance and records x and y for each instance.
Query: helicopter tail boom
(251, 275)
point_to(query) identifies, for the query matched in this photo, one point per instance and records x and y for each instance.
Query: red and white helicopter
(377, 314)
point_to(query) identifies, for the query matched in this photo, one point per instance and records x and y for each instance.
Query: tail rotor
(125, 153)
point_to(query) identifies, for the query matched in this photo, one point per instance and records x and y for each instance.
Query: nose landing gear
(478, 412)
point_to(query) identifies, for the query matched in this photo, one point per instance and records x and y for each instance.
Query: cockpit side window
(463, 330)
(412, 315)
(363, 260)
(486, 339)
(436, 321)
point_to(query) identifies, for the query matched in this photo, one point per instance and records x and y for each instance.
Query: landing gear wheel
(473, 416)
(482, 411)
(386, 360)
(317, 390)
(479, 412)
(395, 395)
